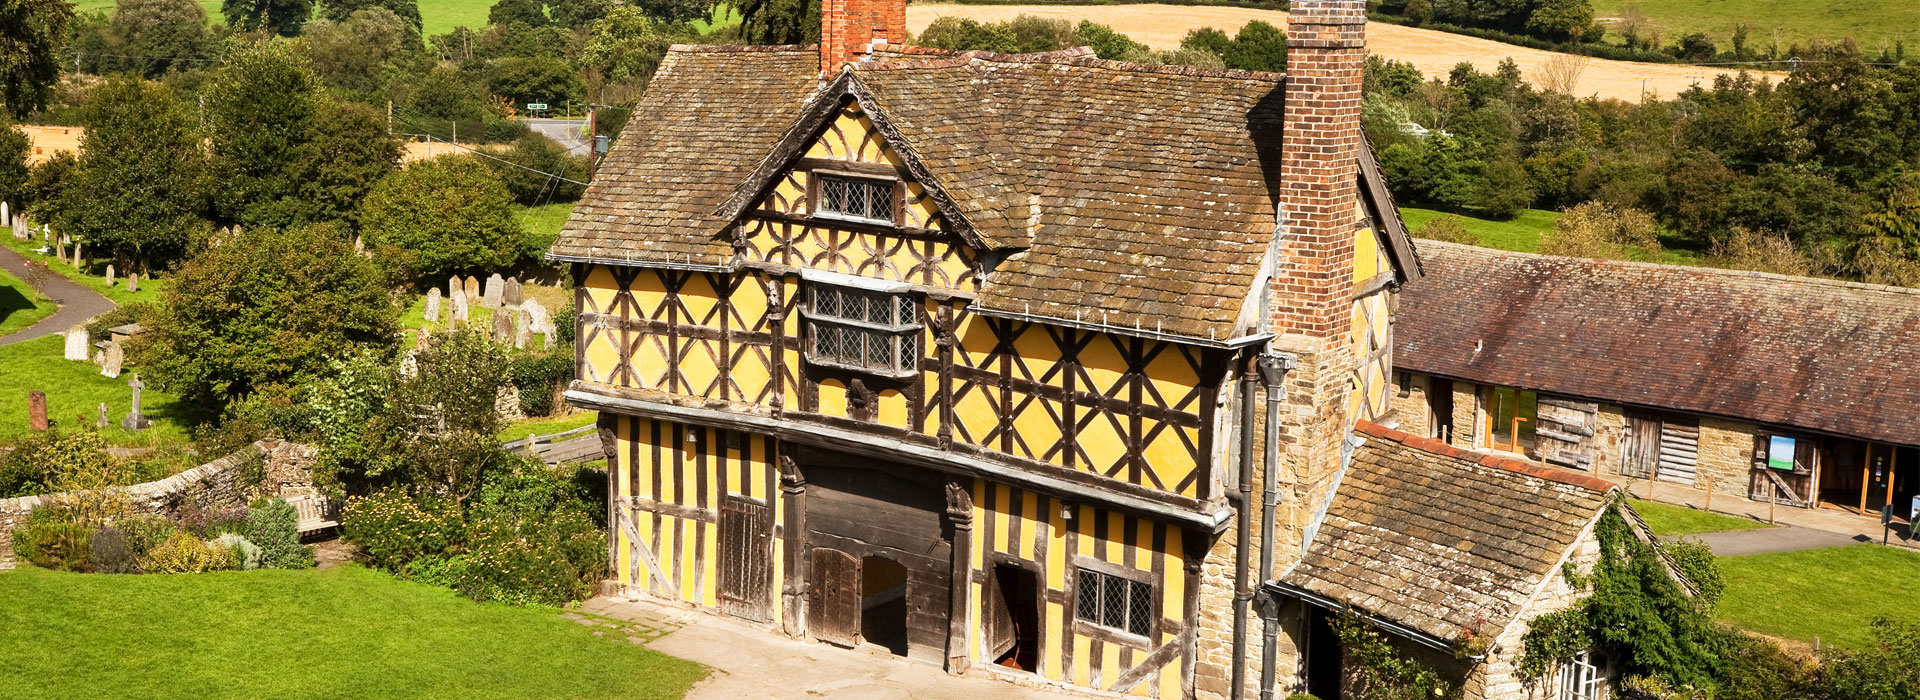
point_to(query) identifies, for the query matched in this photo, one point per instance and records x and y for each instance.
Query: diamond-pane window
(864, 330)
(1115, 602)
(856, 197)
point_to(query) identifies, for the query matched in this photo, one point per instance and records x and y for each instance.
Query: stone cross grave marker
(115, 357)
(433, 305)
(109, 274)
(472, 289)
(458, 314)
(495, 288)
(102, 421)
(511, 297)
(77, 338)
(37, 410)
(135, 420)
(503, 326)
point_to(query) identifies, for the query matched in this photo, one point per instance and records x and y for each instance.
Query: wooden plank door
(746, 558)
(1679, 452)
(834, 616)
(1564, 432)
(1641, 451)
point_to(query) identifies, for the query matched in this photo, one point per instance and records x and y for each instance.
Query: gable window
(856, 198)
(1114, 602)
(864, 329)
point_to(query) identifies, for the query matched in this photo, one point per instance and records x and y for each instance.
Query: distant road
(566, 132)
(1433, 52)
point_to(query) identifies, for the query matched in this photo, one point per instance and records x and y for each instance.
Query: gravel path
(77, 303)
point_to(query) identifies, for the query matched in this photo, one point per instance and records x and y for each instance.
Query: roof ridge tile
(1427, 444)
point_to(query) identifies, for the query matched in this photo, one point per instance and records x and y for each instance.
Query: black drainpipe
(1273, 371)
(1242, 593)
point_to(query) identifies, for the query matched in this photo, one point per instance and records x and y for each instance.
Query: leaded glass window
(859, 198)
(865, 330)
(1115, 602)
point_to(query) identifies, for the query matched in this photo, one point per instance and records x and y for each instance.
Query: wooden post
(1866, 467)
(1709, 493)
(960, 514)
(1773, 497)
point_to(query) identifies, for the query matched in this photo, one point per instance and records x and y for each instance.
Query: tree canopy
(440, 216)
(282, 17)
(259, 108)
(30, 60)
(139, 189)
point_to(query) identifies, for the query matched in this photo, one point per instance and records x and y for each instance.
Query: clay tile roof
(1443, 540)
(709, 114)
(1824, 355)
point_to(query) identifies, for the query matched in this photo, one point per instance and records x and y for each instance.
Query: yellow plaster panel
(977, 341)
(1082, 664)
(1109, 664)
(603, 354)
(650, 363)
(976, 414)
(1366, 255)
(1169, 457)
(1103, 363)
(699, 298)
(1116, 534)
(711, 575)
(1055, 629)
(893, 409)
(1031, 529)
(749, 301)
(1037, 352)
(649, 292)
(1102, 444)
(752, 374)
(1038, 428)
(1172, 375)
(833, 398)
(601, 287)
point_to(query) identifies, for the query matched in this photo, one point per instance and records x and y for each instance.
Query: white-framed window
(864, 330)
(1583, 678)
(1115, 602)
(860, 198)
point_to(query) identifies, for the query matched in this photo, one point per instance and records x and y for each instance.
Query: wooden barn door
(746, 558)
(1679, 452)
(1565, 431)
(834, 615)
(1640, 453)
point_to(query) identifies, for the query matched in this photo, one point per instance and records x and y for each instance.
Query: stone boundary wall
(214, 485)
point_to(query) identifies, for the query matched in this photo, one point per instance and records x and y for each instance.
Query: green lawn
(544, 222)
(76, 389)
(1522, 234)
(20, 306)
(1831, 593)
(94, 277)
(546, 426)
(1681, 520)
(343, 633)
(1874, 23)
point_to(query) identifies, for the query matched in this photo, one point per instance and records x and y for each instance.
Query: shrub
(1696, 562)
(185, 554)
(1597, 230)
(1449, 229)
(246, 555)
(536, 376)
(551, 560)
(275, 528)
(394, 529)
(56, 461)
(55, 537)
(110, 552)
(144, 532)
(210, 523)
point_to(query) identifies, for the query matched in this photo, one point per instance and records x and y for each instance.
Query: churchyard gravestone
(433, 305)
(115, 357)
(511, 297)
(76, 254)
(109, 274)
(472, 289)
(453, 287)
(133, 281)
(457, 315)
(503, 326)
(525, 330)
(135, 420)
(76, 349)
(495, 289)
(102, 421)
(37, 410)
(537, 319)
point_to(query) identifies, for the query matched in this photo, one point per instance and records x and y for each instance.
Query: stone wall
(1726, 456)
(1410, 405)
(217, 484)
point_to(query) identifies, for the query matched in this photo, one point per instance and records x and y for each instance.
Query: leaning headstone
(135, 420)
(76, 253)
(457, 315)
(525, 330)
(503, 326)
(495, 289)
(77, 343)
(511, 297)
(109, 274)
(538, 320)
(433, 305)
(472, 289)
(133, 281)
(60, 249)
(37, 410)
(102, 421)
(115, 358)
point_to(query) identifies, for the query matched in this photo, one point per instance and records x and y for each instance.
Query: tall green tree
(259, 107)
(34, 32)
(282, 17)
(626, 46)
(139, 188)
(14, 173)
(448, 214)
(527, 12)
(151, 37)
(347, 151)
(263, 307)
(340, 10)
(364, 53)
(779, 21)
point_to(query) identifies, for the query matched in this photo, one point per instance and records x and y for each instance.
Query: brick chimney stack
(850, 28)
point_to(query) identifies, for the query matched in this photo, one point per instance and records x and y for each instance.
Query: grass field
(343, 633)
(440, 16)
(1873, 23)
(20, 307)
(1522, 234)
(151, 290)
(544, 222)
(1830, 593)
(77, 389)
(546, 426)
(1680, 520)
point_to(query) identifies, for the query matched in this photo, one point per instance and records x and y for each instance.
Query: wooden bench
(317, 513)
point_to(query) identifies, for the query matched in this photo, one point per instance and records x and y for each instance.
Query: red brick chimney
(850, 28)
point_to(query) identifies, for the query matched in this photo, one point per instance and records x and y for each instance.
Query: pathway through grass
(344, 633)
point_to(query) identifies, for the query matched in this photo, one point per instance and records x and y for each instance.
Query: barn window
(864, 330)
(1115, 602)
(856, 198)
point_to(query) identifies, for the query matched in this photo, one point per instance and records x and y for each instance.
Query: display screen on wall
(1780, 453)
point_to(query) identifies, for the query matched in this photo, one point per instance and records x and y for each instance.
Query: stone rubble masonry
(1726, 456)
(214, 485)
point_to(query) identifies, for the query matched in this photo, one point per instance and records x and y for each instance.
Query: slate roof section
(1835, 357)
(1443, 540)
(709, 115)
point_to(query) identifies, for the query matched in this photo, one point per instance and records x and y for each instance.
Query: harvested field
(1433, 52)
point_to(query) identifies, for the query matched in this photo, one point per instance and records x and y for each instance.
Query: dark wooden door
(1641, 453)
(834, 616)
(746, 558)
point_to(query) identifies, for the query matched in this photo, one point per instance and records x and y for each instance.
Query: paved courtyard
(752, 662)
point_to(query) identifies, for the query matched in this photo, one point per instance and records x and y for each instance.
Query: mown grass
(1830, 593)
(20, 306)
(547, 425)
(1521, 234)
(76, 389)
(543, 222)
(442, 16)
(343, 633)
(94, 276)
(1666, 519)
(1873, 23)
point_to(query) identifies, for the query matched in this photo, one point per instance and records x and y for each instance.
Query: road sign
(536, 106)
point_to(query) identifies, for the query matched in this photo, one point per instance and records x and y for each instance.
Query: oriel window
(864, 330)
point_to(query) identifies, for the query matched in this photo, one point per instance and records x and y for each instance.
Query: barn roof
(1824, 355)
(1441, 540)
(1145, 193)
